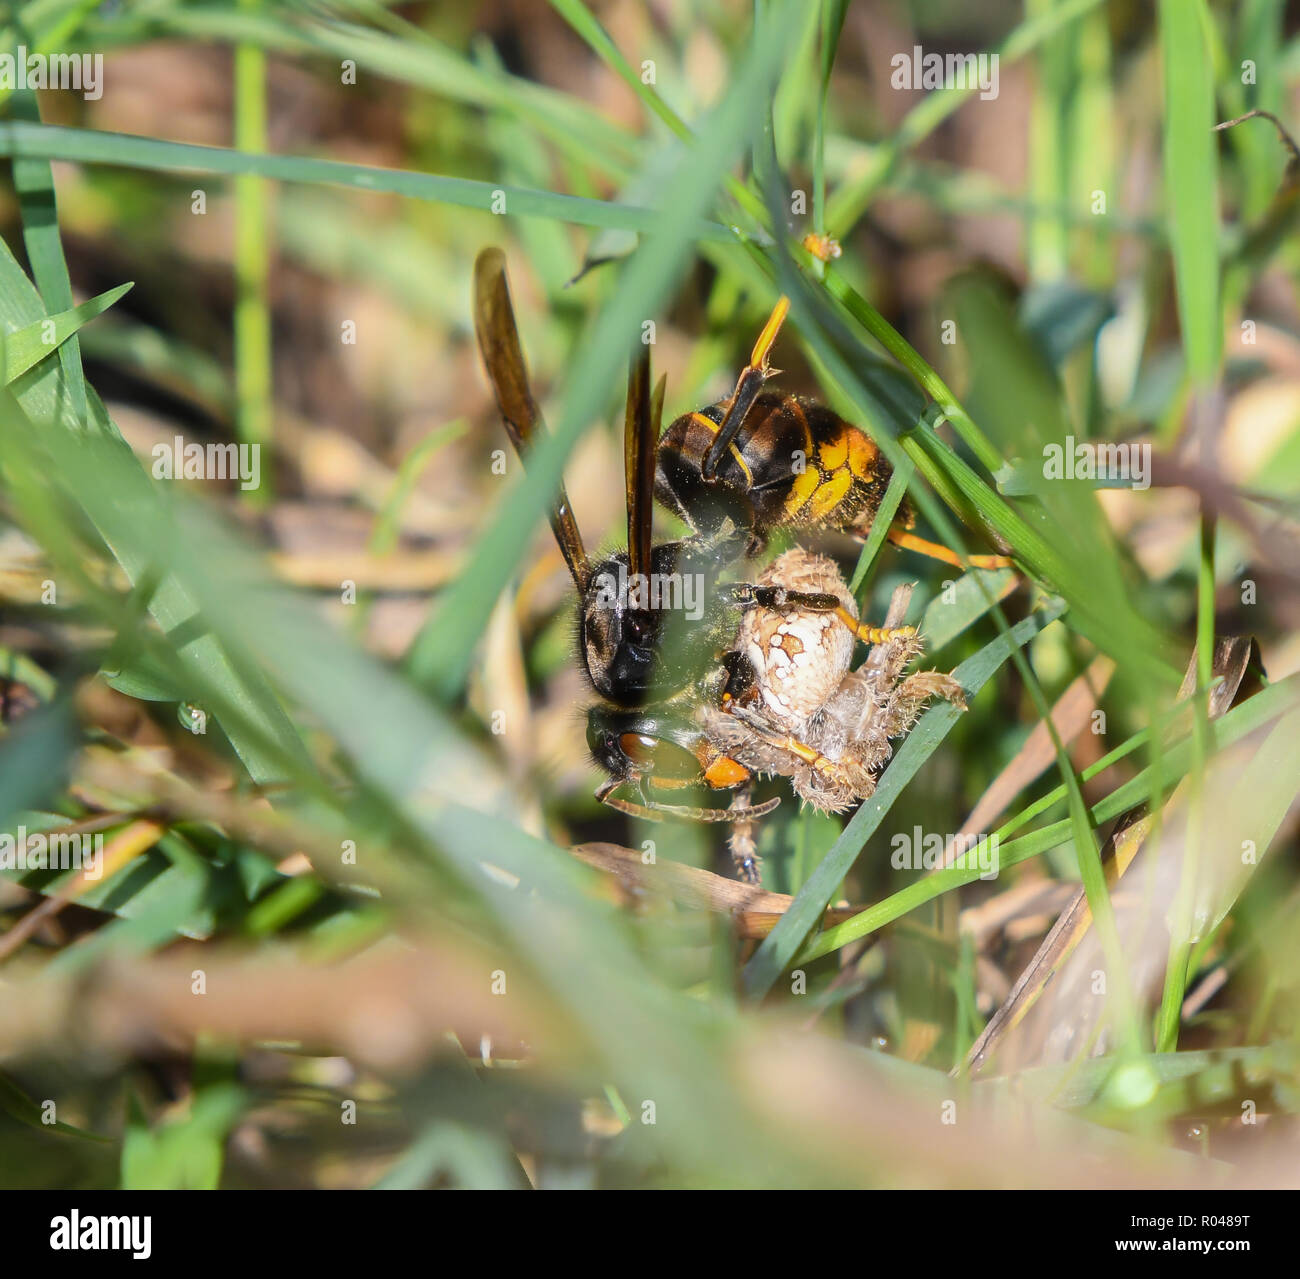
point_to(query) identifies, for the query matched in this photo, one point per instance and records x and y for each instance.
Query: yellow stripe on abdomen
(829, 495)
(806, 483)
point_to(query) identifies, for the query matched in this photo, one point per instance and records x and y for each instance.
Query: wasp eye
(663, 758)
(637, 627)
(639, 748)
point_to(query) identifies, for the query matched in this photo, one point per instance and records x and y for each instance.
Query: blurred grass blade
(119, 150)
(40, 396)
(585, 23)
(388, 519)
(411, 56)
(973, 594)
(1192, 181)
(833, 13)
(470, 1159)
(852, 200)
(1192, 196)
(253, 409)
(183, 1152)
(19, 1106)
(588, 26)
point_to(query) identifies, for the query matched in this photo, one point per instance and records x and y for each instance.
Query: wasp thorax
(799, 657)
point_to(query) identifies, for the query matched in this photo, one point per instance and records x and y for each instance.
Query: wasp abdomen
(794, 464)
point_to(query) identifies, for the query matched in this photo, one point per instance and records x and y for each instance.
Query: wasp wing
(503, 360)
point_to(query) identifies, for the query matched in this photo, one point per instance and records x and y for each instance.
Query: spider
(793, 707)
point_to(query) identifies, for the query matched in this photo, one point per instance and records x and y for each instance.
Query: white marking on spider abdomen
(800, 656)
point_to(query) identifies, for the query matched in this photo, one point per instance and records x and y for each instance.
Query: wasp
(655, 730)
(646, 732)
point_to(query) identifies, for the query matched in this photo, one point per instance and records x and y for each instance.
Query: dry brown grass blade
(1232, 659)
(120, 851)
(388, 1008)
(133, 778)
(392, 1008)
(398, 571)
(754, 910)
(867, 1111)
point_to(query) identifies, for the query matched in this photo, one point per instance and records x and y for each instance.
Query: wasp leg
(650, 809)
(748, 385)
(936, 551)
(778, 598)
(874, 634)
(741, 843)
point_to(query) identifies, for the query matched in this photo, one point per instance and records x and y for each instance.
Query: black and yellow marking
(837, 466)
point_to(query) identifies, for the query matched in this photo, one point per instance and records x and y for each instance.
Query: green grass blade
(43, 28)
(584, 22)
(833, 13)
(1047, 251)
(388, 518)
(41, 396)
(889, 504)
(1245, 719)
(38, 204)
(1192, 196)
(852, 200)
(410, 57)
(28, 346)
(973, 594)
(19, 1106)
(588, 26)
